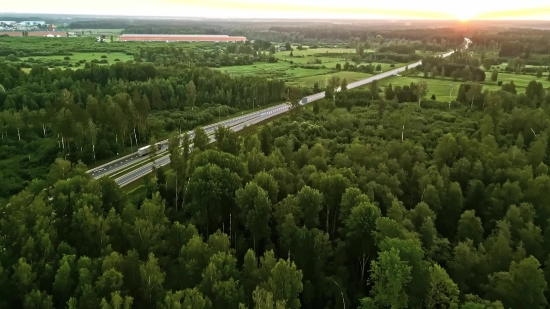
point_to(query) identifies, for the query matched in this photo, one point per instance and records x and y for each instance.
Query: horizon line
(377, 18)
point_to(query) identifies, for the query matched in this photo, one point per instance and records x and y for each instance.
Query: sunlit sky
(396, 9)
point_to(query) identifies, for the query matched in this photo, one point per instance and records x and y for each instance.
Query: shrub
(95, 61)
(117, 59)
(500, 83)
(82, 61)
(12, 57)
(103, 61)
(392, 65)
(433, 97)
(67, 58)
(104, 56)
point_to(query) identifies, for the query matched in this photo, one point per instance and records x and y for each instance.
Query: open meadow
(79, 59)
(441, 87)
(307, 66)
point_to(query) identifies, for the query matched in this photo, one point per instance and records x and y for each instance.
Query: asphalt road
(121, 163)
(235, 124)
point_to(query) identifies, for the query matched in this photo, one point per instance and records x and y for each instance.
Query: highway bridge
(132, 167)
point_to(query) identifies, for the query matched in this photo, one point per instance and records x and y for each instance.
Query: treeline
(386, 205)
(148, 26)
(237, 54)
(391, 57)
(409, 49)
(453, 66)
(364, 97)
(163, 86)
(344, 33)
(169, 30)
(524, 43)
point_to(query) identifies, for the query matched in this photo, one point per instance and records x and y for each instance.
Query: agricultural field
(441, 87)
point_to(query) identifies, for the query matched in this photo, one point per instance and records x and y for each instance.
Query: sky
(367, 9)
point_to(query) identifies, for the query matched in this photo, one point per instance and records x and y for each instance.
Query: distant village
(34, 28)
(29, 25)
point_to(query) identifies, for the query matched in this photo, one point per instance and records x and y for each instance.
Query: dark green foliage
(368, 202)
(409, 217)
(92, 114)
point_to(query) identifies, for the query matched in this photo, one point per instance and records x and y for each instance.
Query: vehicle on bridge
(145, 150)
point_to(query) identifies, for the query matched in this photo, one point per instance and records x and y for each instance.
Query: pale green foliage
(390, 275)
(443, 292)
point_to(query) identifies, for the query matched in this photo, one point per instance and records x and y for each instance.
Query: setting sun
(464, 15)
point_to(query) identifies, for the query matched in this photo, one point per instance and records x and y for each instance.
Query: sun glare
(464, 15)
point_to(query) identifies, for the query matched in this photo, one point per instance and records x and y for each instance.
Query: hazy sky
(436, 9)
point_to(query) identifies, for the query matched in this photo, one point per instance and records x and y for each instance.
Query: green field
(321, 64)
(78, 57)
(502, 67)
(442, 87)
(308, 81)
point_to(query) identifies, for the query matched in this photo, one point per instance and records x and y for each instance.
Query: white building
(7, 22)
(32, 23)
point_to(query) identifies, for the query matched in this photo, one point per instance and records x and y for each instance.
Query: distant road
(235, 124)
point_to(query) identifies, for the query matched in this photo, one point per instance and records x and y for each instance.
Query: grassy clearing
(321, 63)
(308, 81)
(442, 87)
(79, 59)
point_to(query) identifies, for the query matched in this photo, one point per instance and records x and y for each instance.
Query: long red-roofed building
(181, 38)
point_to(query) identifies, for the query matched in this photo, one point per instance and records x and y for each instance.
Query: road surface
(126, 161)
(164, 160)
(235, 124)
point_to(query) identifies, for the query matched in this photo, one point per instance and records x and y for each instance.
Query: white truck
(145, 150)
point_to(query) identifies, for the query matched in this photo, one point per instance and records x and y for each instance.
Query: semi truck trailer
(145, 150)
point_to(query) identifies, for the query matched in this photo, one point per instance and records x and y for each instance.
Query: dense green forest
(94, 113)
(375, 205)
(91, 111)
(372, 198)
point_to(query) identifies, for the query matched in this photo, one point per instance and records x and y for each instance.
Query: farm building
(181, 38)
(7, 22)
